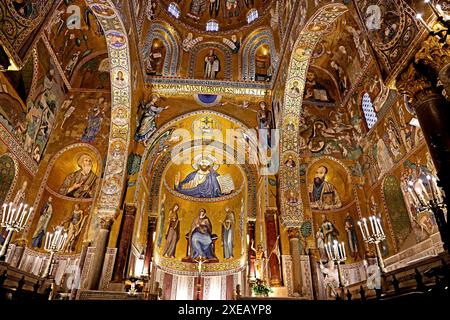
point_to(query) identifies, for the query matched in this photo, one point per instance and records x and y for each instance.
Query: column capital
(106, 223)
(130, 209)
(433, 54)
(415, 85)
(294, 233)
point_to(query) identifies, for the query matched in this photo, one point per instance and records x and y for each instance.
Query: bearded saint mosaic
(81, 183)
(323, 194)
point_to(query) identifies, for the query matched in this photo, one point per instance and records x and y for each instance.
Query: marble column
(294, 239)
(420, 82)
(149, 249)
(101, 244)
(124, 243)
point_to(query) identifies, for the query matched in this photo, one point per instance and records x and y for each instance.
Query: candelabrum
(375, 236)
(442, 18)
(14, 219)
(54, 243)
(336, 253)
(427, 196)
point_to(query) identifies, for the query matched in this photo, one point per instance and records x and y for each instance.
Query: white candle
(4, 213)
(362, 230)
(11, 218)
(371, 225)
(439, 9)
(365, 227)
(327, 248)
(424, 191)
(343, 250)
(17, 217)
(380, 226)
(28, 217)
(23, 215)
(336, 249)
(419, 17)
(9, 212)
(377, 229)
(46, 241)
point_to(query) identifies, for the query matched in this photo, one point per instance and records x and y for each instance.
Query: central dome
(216, 15)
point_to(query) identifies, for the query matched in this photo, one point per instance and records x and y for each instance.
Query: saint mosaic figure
(147, 123)
(42, 225)
(212, 66)
(75, 224)
(352, 238)
(323, 195)
(329, 231)
(94, 122)
(81, 183)
(201, 238)
(228, 234)
(173, 233)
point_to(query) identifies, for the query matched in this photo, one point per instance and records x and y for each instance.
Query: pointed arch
(169, 38)
(258, 39)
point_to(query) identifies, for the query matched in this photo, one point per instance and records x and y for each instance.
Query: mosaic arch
(108, 200)
(312, 33)
(163, 134)
(249, 53)
(166, 35)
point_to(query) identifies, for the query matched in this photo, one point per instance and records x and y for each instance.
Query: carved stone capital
(415, 85)
(433, 54)
(130, 209)
(294, 233)
(106, 223)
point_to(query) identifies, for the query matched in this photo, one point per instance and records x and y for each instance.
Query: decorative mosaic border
(312, 33)
(119, 137)
(178, 267)
(16, 149)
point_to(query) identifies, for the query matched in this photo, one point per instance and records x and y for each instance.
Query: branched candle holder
(54, 243)
(336, 253)
(376, 236)
(14, 219)
(427, 196)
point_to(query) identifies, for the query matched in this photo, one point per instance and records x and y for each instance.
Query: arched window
(212, 25)
(252, 15)
(174, 10)
(369, 112)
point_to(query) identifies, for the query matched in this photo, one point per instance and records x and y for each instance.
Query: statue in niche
(42, 225)
(204, 182)
(147, 122)
(75, 225)
(352, 237)
(323, 195)
(212, 66)
(228, 234)
(173, 233)
(81, 183)
(201, 238)
(329, 231)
